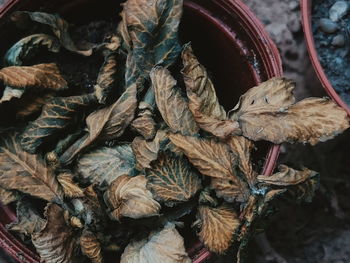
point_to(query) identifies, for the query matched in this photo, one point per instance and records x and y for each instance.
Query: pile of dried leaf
(97, 172)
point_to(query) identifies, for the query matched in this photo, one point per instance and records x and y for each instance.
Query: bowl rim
(306, 19)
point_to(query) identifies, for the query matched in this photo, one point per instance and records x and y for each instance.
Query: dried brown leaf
(26, 172)
(218, 226)
(91, 247)
(147, 151)
(11, 93)
(230, 190)
(172, 180)
(56, 241)
(165, 246)
(46, 76)
(7, 196)
(144, 124)
(70, 188)
(32, 103)
(287, 176)
(305, 191)
(172, 106)
(128, 197)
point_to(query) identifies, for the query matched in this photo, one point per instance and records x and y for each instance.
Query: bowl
(226, 36)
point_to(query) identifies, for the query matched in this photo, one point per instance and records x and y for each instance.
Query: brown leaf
(166, 245)
(11, 93)
(26, 172)
(172, 106)
(230, 190)
(275, 118)
(31, 103)
(172, 180)
(56, 241)
(287, 176)
(91, 247)
(147, 151)
(7, 196)
(218, 226)
(46, 76)
(144, 124)
(128, 197)
(107, 123)
(305, 191)
(242, 147)
(106, 79)
(70, 188)
(29, 220)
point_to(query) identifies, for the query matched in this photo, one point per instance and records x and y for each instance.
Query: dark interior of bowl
(218, 38)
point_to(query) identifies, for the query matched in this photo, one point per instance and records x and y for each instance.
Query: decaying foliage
(120, 165)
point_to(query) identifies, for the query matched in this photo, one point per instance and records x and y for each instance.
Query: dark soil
(335, 60)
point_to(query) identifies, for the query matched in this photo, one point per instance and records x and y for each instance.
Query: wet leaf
(56, 241)
(106, 80)
(10, 93)
(164, 246)
(287, 176)
(272, 116)
(242, 147)
(128, 197)
(91, 247)
(171, 104)
(172, 180)
(32, 103)
(107, 123)
(27, 47)
(56, 116)
(58, 26)
(29, 220)
(218, 226)
(103, 165)
(7, 196)
(45, 76)
(26, 172)
(147, 151)
(70, 188)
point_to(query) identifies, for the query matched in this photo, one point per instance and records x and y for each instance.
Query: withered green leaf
(107, 123)
(29, 220)
(128, 197)
(166, 245)
(217, 227)
(26, 172)
(172, 180)
(275, 118)
(287, 176)
(70, 188)
(106, 79)
(56, 115)
(91, 247)
(25, 48)
(105, 164)
(171, 104)
(46, 76)
(147, 151)
(58, 26)
(7, 196)
(56, 242)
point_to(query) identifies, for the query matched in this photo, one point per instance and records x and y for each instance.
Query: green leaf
(25, 48)
(56, 115)
(105, 164)
(171, 179)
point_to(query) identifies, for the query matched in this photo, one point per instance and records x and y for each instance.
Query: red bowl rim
(306, 18)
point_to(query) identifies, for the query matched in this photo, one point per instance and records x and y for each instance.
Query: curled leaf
(145, 124)
(56, 241)
(172, 180)
(70, 188)
(218, 226)
(164, 246)
(230, 190)
(58, 26)
(91, 247)
(287, 176)
(172, 106)
(7, 196)
(26, 172)
(56, 116)
(128, 197)
(26, 47)
(46, 76)
(32, 103)
(10, 93)
(105, 164)
(305, 191)
(107, 123)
